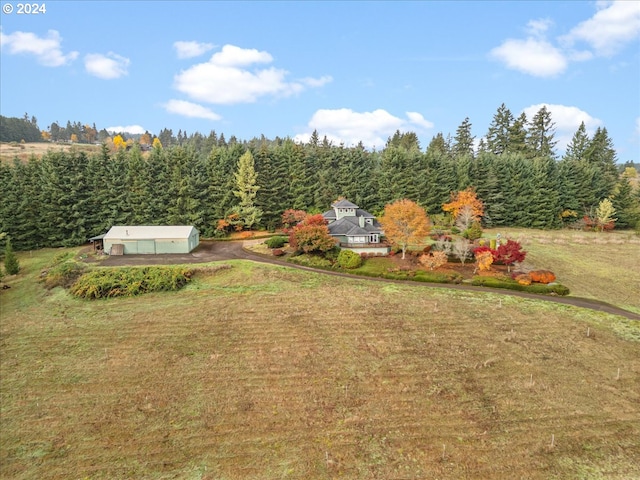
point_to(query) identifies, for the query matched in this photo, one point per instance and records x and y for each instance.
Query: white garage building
(148, 239)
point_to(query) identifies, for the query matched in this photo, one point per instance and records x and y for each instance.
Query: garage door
(147, 246)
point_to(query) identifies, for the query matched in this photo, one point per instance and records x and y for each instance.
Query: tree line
(64, 198)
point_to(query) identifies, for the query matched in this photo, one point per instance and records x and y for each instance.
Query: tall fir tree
(11, 263)
(246, 183)
(463, 140)
(602, 155)
(498, 137)
(578, 145)
(541, 134)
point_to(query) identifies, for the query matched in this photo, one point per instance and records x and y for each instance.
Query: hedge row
(550, 289)
(129, 282)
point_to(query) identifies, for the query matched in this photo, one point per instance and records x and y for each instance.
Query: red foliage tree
(290, 218)
(312, 235)
(510, 253)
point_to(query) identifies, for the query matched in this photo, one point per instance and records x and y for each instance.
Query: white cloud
(612, 27)
(227, 78)
(232, 56)
(192, 49)
(107, 66)
(567, 120)
(316, 82)
(537, 28)
(417, 119)
(191, 110)
(47, 50)
(371, 128)
(533, 56)
(131, 129)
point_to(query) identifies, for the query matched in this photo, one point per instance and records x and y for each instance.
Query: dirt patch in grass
(259, 371)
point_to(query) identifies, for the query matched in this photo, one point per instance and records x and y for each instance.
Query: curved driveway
(233, 250)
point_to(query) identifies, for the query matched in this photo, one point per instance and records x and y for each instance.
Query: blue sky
(353, 70)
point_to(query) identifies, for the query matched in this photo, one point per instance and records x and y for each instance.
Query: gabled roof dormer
(344, 208)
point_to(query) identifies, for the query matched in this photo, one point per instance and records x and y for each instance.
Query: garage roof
(144, 232)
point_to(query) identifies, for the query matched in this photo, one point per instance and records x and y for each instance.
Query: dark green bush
(474, 232)
(129, 282)
(348, 259)
(276, 242)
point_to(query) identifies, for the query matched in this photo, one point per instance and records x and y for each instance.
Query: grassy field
(602, 266)
(265, 372)
(8, 151)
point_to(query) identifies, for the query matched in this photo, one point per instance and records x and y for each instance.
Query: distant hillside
(24, 151)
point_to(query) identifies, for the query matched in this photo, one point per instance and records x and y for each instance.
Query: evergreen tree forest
(64, 198)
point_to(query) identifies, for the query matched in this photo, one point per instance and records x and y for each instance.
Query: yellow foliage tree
(118, 142)
(74, 138)
(484, 260)
(404, 223)
(461, 200)
(157, 143)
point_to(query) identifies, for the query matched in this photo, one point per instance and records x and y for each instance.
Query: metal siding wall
(147, 246)
(171, 246)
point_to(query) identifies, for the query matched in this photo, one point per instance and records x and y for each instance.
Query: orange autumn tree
(465, 201)
(404, 222)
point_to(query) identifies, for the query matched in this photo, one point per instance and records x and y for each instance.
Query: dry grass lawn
(603, 266)
(265, 372)
(9, 151)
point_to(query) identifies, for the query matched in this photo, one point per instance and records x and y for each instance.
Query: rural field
(9, 151)
(259, 371)
(602, 266)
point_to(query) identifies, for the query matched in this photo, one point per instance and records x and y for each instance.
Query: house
(148, 239)
(355, 229)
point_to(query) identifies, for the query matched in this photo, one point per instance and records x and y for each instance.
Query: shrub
(349, 260)
(332, 255)
(313, 261)
(62, 275)
(434, 260)
(277, 252)
(474, 232)
(276, 242)
(494, 282)
(542, 276)
(129, 282)
(523, 279)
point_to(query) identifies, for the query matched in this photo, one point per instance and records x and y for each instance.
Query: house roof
(351, 226)
(143, 232)
(331, 214)
(344, 204)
